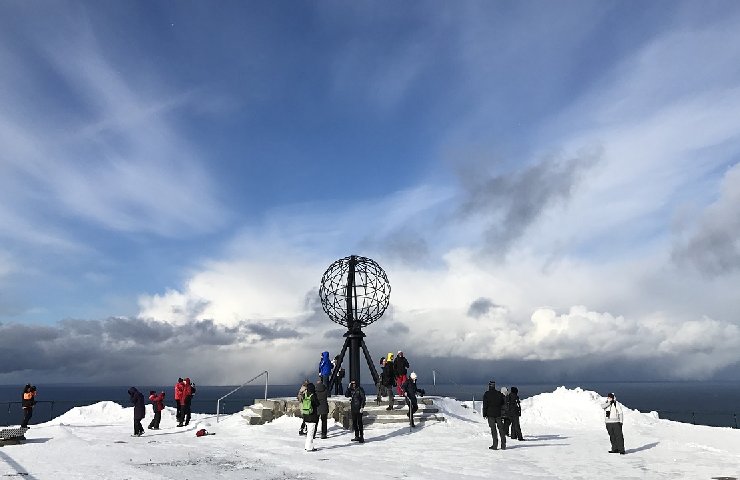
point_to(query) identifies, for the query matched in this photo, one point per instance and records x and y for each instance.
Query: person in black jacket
(323, 408)
(515, 411)
(400, 369)
(493, 401)
(311, 417)
(137, 399)
(338, 388)
(357, 406)
(29, 400)
(388, 378)
(410, 389)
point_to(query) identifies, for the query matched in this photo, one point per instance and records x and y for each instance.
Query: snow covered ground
(564, 432)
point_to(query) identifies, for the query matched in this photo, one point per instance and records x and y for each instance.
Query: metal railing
(218, 403)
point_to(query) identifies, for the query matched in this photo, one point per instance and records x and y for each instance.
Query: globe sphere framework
(370, 293)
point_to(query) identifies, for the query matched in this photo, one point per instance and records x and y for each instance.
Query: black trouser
(516, 429)
(413, 407)
(497, 423)
(615, 436)
(507, 423)
(185, 415)
(322, 418)
(137, 426)
(357, 423)
(178, 415)
(27, 414)
(381, 392)
(338, 389)
(155, 421)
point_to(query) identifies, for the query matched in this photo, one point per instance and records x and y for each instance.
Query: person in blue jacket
(325, 368)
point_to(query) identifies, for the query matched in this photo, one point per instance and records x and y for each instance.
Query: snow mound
(574, 408)
(95, 414)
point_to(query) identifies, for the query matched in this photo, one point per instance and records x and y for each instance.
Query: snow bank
(97, 413)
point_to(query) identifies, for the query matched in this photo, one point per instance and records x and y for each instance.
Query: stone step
(394, 419)
(423, 409)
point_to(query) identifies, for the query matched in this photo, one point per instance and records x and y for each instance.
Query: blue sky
(526, 173)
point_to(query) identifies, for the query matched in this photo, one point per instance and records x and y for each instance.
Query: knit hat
(413, 375)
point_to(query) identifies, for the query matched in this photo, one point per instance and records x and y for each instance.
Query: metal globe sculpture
(354, 292)
(369, 291)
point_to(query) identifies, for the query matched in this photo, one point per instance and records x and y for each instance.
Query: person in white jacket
(614, 420)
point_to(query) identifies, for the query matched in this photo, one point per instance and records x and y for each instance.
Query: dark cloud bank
(123, 350)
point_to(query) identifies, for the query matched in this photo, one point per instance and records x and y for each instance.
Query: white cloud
(123, 166)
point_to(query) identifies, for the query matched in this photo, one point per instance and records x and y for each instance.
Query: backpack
(306, 404)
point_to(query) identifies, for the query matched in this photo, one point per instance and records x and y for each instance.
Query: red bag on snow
(200, 433)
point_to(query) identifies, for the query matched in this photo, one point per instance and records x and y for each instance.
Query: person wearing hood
(325, 367)
(137, 400)
(388, 377)
(179, 386)
(614, 418)
(322, 395)
(493, 402)
(400, 368)
(410, 389)
(157, 405)
(185, 402)
(514, 410)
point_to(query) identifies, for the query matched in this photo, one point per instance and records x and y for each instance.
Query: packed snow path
(564, 431)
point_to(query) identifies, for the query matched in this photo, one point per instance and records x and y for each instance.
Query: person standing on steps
(137, 400)
(179, 386)
(515, 411)
(357, 406)
(388, 377)
(309, 411)
(325, 367)
(381, 387)
(493, 401)
(400, 369)
(338, 388)
(410, 389)
(614, 418)
(29, 400)
(323, 408)
(157, 405)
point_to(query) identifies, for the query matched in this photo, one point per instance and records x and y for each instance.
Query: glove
(362, 410)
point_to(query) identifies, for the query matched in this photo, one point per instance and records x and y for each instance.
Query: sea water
(705, 403)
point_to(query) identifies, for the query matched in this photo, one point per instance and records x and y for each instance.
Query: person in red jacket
(179, 386)
(157, 405)
(187, 397)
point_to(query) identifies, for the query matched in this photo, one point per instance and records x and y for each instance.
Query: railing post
(267, 379)
(693, 418)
